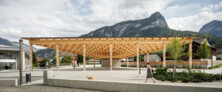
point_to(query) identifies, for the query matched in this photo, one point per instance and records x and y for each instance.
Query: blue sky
(48, 18)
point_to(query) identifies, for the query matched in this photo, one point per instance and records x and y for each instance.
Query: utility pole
(21, 61)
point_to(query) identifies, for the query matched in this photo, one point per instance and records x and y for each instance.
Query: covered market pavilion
(106, 48)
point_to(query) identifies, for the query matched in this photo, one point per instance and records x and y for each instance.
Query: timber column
(30, 55)
(164, 54)
(190, 54)
(94, 63)
(74, 60)
(137, 58)
(111, 57)
(127, 62)
(147, 57)
(84, 56)
(57, 56)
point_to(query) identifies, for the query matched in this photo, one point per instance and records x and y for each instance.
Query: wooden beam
(74, 48)
(30, 55)
(190, 55)
(111, 57)
(145, 47)
(69, 47)
(79, 49)
(57, 56)
(164, 54)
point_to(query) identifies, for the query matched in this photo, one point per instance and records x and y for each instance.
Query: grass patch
(216, 66)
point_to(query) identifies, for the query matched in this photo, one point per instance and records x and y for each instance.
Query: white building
(10, 58)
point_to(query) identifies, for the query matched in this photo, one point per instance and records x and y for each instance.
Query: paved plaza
(125, 75)
(42, 88)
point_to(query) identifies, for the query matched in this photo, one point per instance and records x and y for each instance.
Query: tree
(34, 59)
(203, 50)
(176, 50)
(66, 59)
(80, 59)
(44, 61)
(54, 59)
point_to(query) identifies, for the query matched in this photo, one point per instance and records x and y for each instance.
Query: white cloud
(25, 18)
(195, 22)
(39, 18)
(211, 8)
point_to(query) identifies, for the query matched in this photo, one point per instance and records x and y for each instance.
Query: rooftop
(101, 47)
(8, 48)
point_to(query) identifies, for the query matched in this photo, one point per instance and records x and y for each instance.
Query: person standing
(149, 73)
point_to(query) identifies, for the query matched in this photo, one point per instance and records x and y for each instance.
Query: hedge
(163, 75)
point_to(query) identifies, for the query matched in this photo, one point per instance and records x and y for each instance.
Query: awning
(100, 48)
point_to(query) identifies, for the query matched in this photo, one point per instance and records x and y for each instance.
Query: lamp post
(139, 61)
(21, 61)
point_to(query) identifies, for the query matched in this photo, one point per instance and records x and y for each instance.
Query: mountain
(49, 53)
(133, 28)
(154, 26)
(25, 47)
(5, 42)
(214, 28)
(45, 53)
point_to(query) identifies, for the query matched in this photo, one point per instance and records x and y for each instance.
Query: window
(1, 56)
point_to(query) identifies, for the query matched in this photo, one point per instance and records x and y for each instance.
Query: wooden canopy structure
(105, 48)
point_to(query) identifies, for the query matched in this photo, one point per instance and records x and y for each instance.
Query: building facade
(10, 58)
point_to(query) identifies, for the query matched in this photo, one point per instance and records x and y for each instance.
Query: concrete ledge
(96, 85)
(127, 87)
(8, 82)
(46, 75)
(123, 86)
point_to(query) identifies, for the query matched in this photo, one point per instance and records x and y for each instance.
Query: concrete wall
(219, 55)
(8, 82)
(46, 76)
(121, 86)
(127, 87)
(153, 57)
(116, 63)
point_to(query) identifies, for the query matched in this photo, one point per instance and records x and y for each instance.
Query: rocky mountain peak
(156, 15)
(130, 28)
(214, 28)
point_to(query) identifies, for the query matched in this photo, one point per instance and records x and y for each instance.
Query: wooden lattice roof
(122, 47)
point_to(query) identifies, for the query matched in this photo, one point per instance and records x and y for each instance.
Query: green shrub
(66, 59)
(43, 62)
(160, 77)
(218, 58)
(162, 74)
(35, 65)
(123, 65)
(162, 70)
(186, 78)
(217, 77)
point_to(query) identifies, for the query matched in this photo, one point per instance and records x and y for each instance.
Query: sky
(72, 18)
